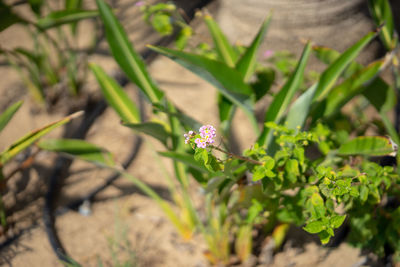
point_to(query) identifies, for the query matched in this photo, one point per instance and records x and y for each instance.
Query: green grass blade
(228, 81)
(367, 145)
(32, 137)
(247, 63)
(125, 55)
(333, 72)
(58, 18)
(6, 116)
(116, 96)
(282, 100)
(80, 149)
(225, 51)
(187, 159)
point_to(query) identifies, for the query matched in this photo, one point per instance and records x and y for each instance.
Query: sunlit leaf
(367, 145)
(32, 137)
(125, 55)
(80, 149)
(116, 96)
(6, 116)
(58, 18)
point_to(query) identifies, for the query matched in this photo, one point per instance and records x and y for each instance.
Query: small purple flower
(140, 3)
(267, 54)
(188, 136)
(200, 142)
(207, 135)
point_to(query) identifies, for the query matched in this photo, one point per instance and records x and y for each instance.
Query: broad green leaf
(333, 72)
(382, 15)
(187, 159)
(282, 100)
(337, 220)
(32, 137)
(228, 81)
(80, 149)
(58, 18)
(8, 17)
(247, 63)
(125, 55)
(6, 116)
(225, 51)
(314, 227)
(367, 145)
(116, 96)
(153, 129)
(299, 110)
(351, 87)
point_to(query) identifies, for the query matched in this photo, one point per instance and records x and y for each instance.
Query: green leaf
(367, 145)
(32, 137)
(337, 220)
(80, 149)
(329, 55)
(127, 58)
(57, 18)
(324, 236)
(351, 87)
(153, 129)
(282, 100)
(73, 5)
(247, 63)
(201, 155)
(6, 116)
(382, 15)
(314, 227)
(228, 81)
(116, 96)
(299, 110)
(225, 51)
(8, 17)
(333, 72)
(187, 159)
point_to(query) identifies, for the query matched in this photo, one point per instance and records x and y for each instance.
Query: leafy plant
(303, 169)
(52, 61)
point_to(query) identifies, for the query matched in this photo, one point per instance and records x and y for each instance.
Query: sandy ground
(120, 214)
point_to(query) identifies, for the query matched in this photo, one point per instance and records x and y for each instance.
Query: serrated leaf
(116, 96)
(80, 149)
(314, 227)
(58, 18)
(125, 55)
(153, 129)
(6, 116)
(367, 145)
(32, 137)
